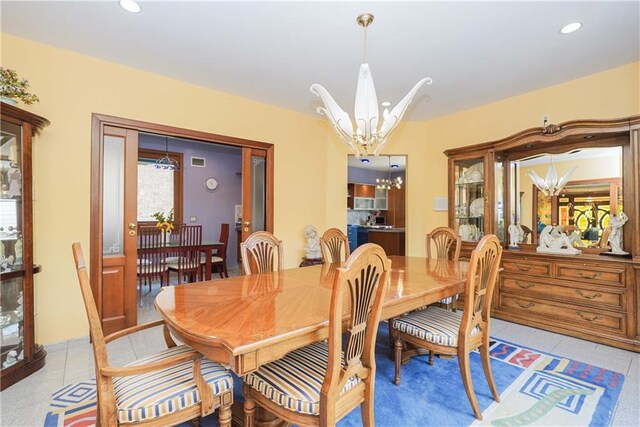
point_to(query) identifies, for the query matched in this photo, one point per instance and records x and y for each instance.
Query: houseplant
(13, 88)
(165, 221)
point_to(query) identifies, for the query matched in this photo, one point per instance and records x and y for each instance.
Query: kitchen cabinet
(366, 197)
(364, 191)
(20, 355)
(396, 207)
(391, 240)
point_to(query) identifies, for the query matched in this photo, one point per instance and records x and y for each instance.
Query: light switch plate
(193, 219)
(440, 204)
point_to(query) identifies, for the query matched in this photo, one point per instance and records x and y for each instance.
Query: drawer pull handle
(524, 285)
(523, 267)
(596, 295)
(587, 318)
(589, 276)
(523, 305)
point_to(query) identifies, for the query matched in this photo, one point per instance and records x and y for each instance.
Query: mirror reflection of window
(586, 203)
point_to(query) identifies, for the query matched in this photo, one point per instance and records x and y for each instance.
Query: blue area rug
(536, 388)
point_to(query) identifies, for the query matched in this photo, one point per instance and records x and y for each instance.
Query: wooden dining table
(247, 321)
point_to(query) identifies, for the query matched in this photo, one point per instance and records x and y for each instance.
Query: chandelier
(550, 185)
(166, 162)
(367, 138)
(388, 183)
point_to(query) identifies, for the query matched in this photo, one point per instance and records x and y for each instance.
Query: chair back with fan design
(261, 252)
(446, 241)
(334, 245)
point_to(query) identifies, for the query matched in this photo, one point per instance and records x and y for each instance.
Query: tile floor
(26, 403)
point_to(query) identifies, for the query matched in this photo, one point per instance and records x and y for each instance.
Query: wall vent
(198, 162)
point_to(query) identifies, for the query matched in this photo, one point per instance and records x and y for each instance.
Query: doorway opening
(376, 203)
(216, 185)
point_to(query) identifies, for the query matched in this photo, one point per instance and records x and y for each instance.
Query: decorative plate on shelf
(476, 208)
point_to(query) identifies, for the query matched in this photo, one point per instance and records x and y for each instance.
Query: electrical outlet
(545, 119)
(193, 219)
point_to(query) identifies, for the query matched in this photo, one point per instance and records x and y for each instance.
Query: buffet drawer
(527, 267)
(567, 292)
(590, 273)
(553, 312)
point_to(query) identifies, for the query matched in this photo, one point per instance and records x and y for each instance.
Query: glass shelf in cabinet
(469, 184)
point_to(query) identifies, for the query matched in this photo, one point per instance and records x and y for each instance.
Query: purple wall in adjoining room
(364, 176)
(210, 209)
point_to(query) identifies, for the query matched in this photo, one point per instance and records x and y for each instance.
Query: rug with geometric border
(536, 388)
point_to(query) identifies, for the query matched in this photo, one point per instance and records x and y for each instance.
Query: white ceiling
(379, 163)
(476, 52)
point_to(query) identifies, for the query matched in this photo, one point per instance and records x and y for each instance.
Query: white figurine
(12, 358)
(15, 182)
(312, 248)
(516, 234)
(552, 240)
(17, 248)
(615, 238)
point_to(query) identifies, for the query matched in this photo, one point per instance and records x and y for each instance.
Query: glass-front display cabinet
(476, 195)
(20, 355)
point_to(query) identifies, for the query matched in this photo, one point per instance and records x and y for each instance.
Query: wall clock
(211, 184)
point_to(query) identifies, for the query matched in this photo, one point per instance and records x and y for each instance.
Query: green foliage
(12, 86)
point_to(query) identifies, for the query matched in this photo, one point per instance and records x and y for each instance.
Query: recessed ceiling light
(365, 160)
(130, 6)
(394, 166)
(570, 28)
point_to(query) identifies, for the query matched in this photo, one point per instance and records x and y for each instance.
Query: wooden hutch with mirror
(593, 295)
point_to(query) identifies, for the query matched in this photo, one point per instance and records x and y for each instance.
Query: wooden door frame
(98, 122)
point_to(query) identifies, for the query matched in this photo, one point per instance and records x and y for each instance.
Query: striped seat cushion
(294, 382)
(152, 395)
(433, 324)
(214, 259)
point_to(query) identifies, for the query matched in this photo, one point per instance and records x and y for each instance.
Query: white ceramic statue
(12, 358)
(615, 238)
(15, 182)
(553, 240)
(312, 248)
(516, 234)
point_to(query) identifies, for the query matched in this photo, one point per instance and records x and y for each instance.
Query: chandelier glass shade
(166, 162)
(370, 133)
(551, 185)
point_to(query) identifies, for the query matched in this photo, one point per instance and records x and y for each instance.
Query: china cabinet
(21, 356)
(593, 295)
(476, 194)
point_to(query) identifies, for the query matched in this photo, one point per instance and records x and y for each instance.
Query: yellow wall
(71, 87)
(311, 163)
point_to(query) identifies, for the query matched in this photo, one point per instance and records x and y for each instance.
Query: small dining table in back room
(247, 321)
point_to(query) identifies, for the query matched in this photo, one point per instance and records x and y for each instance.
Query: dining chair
(259, 251)
(175, 385)
(173, 243)
(333, 245)
(189, 247)
(322, 382)
(455, 333)
(219, 259)
(151, 264)
(447, 244)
